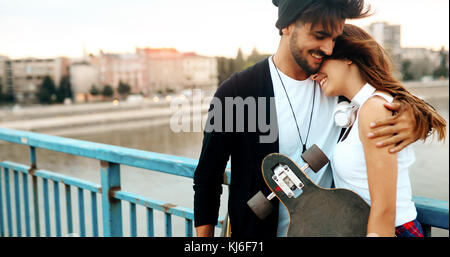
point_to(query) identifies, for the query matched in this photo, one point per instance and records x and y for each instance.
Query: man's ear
(288, 30)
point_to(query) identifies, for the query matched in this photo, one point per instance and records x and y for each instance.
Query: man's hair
(329, 12)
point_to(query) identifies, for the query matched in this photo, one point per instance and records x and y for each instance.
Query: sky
(50, 28)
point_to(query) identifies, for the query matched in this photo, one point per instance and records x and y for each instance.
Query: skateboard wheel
(260, 205)
(315, 158)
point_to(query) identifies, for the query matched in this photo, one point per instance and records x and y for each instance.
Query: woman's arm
(381, 172)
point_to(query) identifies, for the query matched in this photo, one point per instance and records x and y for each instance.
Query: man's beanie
(289, 10)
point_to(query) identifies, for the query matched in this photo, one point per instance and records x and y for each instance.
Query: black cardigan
(246, 154)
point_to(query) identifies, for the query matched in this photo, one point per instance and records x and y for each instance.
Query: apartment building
(170, 70)
(148, 71)
(83, 76)
(6, 78)
(2, 74)
(420, 54)
(198, 71)
(25, 75)
(114, 68)
(388, 36)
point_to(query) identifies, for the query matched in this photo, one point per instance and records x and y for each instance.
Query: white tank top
(349, 170)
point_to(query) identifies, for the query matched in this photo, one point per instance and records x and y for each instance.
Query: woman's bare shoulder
(372, 110)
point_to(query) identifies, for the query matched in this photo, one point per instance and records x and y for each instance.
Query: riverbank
(67, 120)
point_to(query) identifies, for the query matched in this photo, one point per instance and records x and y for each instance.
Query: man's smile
(317, 57)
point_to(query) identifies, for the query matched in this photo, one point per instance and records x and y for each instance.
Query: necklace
(292, 109)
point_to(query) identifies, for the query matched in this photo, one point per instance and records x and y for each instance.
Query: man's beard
(301, 60)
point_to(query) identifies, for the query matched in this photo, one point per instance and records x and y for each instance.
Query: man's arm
(205, 231)
(208, 175)
(401, 127)
(208, 180)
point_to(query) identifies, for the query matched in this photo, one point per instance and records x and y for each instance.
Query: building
(199, 71)
(169, 70)
(83, 76)
(423, 62)
(421, 54)
(114, 68)
(147, 71)
(24, 76)
(388, 36)
(418, 61)
(163, 69)
(6, 79)
(3, 60)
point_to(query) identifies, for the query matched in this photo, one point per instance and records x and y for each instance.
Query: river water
(429, 174)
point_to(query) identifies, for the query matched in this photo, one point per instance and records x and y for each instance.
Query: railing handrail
(111, 158)
(431, 212)
(175, 165)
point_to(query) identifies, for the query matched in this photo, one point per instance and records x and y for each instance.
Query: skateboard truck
(287, 181)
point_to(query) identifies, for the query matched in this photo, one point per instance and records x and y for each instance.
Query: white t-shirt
(350, 171)
(323, 132)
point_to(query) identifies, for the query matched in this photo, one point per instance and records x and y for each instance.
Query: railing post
(426, 230)
(8, 203)
(111, 207)
(33, 166)
(2, 228)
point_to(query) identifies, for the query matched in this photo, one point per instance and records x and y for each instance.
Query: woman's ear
(349, 62)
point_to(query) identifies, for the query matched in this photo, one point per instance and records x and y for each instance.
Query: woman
(360, 69)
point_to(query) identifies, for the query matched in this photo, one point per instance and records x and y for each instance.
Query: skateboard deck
(316, 211)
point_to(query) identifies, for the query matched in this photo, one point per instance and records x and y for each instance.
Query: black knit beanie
(289, 10)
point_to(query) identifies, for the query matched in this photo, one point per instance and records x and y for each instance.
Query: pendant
(304, 148)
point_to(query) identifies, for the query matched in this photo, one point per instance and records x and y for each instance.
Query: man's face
(309, 46)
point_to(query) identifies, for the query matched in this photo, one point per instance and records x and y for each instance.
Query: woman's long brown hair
(376, 68)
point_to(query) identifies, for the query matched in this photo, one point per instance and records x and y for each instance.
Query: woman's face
(332, 76)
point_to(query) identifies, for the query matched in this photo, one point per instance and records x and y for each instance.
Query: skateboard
(313, 211)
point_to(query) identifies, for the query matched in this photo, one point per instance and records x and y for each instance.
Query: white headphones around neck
(345, 113)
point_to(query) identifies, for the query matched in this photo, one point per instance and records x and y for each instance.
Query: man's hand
(205, 231)
(401, 127)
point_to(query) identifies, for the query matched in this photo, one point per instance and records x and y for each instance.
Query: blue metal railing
(111, 158)
(431, 212)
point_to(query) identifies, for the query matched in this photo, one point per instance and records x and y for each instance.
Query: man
(298, 112)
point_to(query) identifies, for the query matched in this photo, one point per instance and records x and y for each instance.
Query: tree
(255, 57)
(107, 91)
(239, 62)
(442, 70)
(407, 75)
(123, 89)
(5, 98)
(170, 91)
(47, 91)
(420, 68)
(225, 68)
(64, 89)
(1, 91)
(94, 90)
